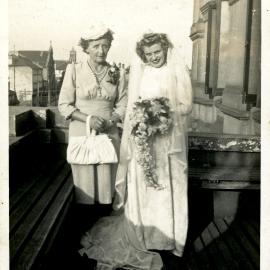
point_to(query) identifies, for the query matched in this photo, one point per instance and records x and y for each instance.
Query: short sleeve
(67, 97)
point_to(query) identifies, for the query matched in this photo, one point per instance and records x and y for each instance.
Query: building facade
(32, 77)
(226, 36)
(25, 79)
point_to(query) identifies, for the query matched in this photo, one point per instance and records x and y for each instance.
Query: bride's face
(155, 55)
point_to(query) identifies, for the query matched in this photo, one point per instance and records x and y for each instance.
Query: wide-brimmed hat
(96, 31)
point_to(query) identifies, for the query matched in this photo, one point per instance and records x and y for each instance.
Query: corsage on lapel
(114, 74)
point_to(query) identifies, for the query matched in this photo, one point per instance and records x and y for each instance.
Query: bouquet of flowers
(150, 117)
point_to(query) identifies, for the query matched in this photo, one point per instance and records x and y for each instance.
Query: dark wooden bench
(226, 165)
(218, 161)
(41, 193)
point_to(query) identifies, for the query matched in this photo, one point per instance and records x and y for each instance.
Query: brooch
(114, 74)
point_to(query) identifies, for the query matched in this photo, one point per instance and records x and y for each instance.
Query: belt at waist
(101, 108)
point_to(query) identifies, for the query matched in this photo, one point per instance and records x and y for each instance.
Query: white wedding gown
(152, 219)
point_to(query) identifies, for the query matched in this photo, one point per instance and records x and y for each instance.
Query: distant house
(60, 67)
(25, 79)
(32, 77)
(38, 58)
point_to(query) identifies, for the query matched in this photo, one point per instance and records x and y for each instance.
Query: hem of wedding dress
(177, 252)
(156, 264)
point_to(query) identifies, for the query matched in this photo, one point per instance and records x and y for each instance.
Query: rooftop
(61, 64)
(20, 60)
(38, 57)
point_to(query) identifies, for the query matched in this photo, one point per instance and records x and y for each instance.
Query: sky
(34, 23)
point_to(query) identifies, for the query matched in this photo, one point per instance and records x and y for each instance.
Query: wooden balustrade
(222, 170)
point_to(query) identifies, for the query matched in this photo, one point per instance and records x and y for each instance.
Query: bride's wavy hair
(84, 43)
(150, 39)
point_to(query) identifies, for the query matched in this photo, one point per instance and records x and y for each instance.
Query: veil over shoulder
(180, 95)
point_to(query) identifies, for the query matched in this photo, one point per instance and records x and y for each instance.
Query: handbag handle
(89, 131)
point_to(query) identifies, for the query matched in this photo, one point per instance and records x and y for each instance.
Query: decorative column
(253, 55)
(254, 80)
(242, 66)
(197, 35)
(221, 48)
(232, 96)
(203, 109)
(201, 43)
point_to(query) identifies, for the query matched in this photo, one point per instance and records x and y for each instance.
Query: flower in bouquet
(150, 117)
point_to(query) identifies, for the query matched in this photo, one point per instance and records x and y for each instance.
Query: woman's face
(98, 50)
(155, 55)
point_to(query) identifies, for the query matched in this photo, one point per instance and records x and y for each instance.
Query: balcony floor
(223, 244)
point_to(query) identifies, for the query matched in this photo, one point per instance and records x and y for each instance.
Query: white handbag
(91, 149)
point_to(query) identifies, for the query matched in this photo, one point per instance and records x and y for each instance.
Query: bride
(155, 213)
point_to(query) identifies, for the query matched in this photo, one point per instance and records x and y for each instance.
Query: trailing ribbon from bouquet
(149, 118)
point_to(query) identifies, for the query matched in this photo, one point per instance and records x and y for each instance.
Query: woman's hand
(110, 123)
(97, 123)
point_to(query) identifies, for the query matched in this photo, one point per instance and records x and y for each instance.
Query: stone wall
(226, 65)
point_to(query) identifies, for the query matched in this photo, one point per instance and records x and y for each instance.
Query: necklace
(98, 76)
(95, 71)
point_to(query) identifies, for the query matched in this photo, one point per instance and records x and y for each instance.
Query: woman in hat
(93, 87)
(152, 193)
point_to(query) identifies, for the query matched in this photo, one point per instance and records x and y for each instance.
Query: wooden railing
(41, 190)
(41, 195)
